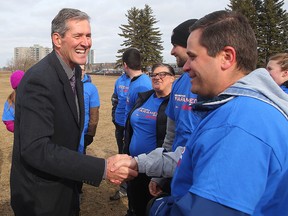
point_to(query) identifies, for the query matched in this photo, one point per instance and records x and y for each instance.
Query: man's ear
(56, 38)
(124, 65)
(228, 57)
(285, 73)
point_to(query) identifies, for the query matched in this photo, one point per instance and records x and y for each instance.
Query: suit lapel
(80, 95)
(69, 95)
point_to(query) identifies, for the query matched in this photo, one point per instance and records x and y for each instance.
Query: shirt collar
(66, 68)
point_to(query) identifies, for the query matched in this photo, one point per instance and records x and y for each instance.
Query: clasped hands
(121, 167)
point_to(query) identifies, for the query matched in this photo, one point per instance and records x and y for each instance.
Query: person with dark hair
(8, 115)
(145, 130)
(278, 68)
(140, 82)
(49, 119)
(180, 120)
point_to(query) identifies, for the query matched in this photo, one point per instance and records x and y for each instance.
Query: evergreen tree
(285, 33)
(269, 21)
(141, 34)
(273, 29)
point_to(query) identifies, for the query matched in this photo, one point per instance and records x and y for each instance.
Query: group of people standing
(145, 127)
(219, 131)
(233, 162)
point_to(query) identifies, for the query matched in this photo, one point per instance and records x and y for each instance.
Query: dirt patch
(95, 200)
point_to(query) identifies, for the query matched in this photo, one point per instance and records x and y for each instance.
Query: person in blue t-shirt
(91, 107)
(181, 122)
(118, 99)
(179, 107)
(8, 115)
(140, 82)
(145, 130)
(278, 68)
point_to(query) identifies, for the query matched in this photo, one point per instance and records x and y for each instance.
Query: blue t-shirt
(8, 112)
(238, 158)
(121, 90)
(143, 122)
(179, 110)
(138, 84)
(91, 100)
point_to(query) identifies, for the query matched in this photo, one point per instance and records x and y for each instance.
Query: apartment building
(35, 52)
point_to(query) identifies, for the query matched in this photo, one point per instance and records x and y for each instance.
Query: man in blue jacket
(235, 162)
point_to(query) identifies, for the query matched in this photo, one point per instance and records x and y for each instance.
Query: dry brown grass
(95, 201)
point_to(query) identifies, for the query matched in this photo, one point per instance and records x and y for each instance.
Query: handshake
(121, 167)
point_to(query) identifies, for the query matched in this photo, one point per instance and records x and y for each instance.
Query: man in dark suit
(49, 120)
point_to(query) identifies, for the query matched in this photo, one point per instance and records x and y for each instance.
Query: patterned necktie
(72, 83)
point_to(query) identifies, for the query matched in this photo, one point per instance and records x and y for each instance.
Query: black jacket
(161, 121)
(45, 163)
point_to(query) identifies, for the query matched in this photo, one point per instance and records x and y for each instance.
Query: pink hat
(15, 78)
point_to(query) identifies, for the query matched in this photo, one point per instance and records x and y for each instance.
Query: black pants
(76, 200)
(138, 195)
(119, 135)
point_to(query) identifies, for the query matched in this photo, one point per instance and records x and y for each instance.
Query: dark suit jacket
(45, 161)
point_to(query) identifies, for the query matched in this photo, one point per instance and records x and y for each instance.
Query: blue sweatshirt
(236, 156)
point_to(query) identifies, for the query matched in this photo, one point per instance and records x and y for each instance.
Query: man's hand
(130, 162)
(118, 169)
(154, 189)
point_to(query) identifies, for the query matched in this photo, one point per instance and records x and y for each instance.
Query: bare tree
(23, 63)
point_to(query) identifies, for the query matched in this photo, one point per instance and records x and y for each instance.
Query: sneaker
(118, 195)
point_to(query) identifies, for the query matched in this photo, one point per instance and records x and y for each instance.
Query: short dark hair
(132, 58)
(229, 28)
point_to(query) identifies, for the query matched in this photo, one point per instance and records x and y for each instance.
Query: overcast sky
(28, 22)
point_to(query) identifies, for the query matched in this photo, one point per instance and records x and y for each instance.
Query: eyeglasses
(161, 75)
